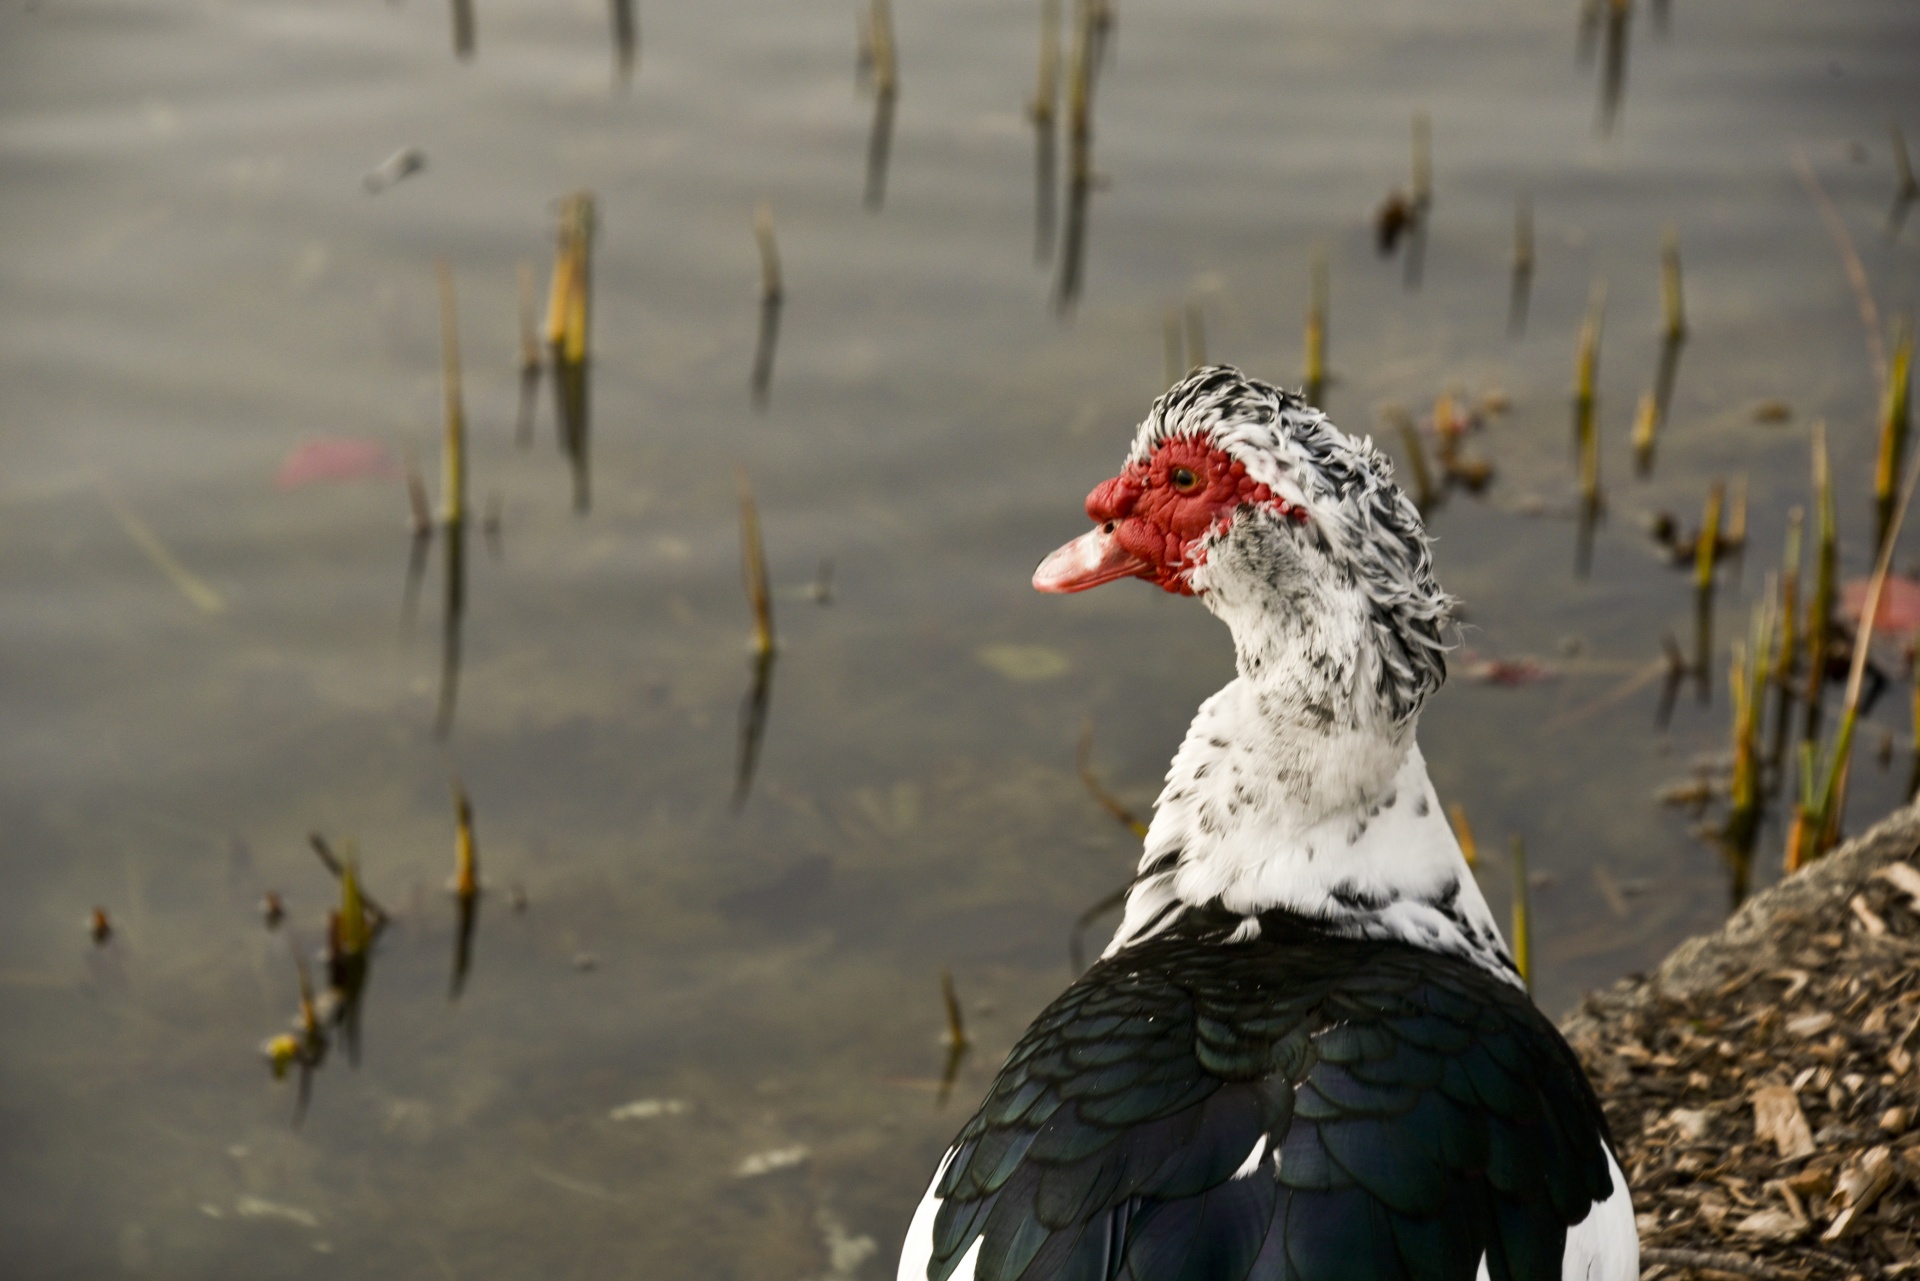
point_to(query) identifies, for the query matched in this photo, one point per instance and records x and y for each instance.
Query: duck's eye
(1182, 479)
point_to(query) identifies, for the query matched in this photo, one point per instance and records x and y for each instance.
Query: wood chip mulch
(1764, 1084)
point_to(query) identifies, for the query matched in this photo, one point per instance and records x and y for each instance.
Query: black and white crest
(1367, 527)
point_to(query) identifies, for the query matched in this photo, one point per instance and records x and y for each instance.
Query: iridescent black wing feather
(1296, 1107)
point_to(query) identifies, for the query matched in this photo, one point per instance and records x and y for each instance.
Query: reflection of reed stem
(626, 39)
(1522, 265)
(1422, 163)
(463, 29)
(1671, 305)
(1895, 419)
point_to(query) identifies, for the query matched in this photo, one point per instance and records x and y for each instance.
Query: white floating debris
(253, 1207)
(647, 1109)
(773, 1159)
(407, 160)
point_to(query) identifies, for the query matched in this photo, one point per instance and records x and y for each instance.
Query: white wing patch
(916, 1252)
(1252, 1163)
(1604, 1246)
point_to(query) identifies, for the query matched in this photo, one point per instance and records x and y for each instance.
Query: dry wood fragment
(1778, 1119)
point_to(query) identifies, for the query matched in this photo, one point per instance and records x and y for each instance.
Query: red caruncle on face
(1159, 510)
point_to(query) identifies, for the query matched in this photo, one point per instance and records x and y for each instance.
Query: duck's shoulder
(1301, 1092)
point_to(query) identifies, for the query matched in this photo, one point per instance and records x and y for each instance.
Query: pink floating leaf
(1899, 612)
(335, 458)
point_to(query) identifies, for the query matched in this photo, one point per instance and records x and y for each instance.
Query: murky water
(201, 667)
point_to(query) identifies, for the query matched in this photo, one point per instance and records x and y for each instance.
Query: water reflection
(880, 56)
(1093, 23)
(772, 295)
(1909, 186)
(626, 41)
(879, 144)
(1520, 295)
(1613, 66)
(463, 29)
(454, 541)
(531, 360)
(1042, 111)
(759, 696)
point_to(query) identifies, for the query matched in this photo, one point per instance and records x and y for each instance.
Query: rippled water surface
(202, 666)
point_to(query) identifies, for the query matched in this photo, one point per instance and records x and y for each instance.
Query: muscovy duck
(1307, 1052)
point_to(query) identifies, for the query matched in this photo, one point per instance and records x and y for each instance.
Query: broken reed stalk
(1820, 605)
(772, 288)
(1646, 430)
(1046, 89)
(466, 864)
(1671, 304)
(454, 447)
(1747, 677)
(1522, 938)
(1463, 833)
(1816, 826)
(1586, 368)
(1895, 421)
(886, 68)
(753, 565)
(1083, 761)
(569, 302)
(1317, 330)
(1706, 548)
(955, 1037)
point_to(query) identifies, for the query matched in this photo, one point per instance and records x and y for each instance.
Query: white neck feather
(1295, 790)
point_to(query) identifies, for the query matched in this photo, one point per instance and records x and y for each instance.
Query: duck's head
(1286, 527)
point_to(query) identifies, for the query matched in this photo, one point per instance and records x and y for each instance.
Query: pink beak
(1094, 558)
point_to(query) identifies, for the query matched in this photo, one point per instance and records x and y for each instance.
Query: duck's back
(1300, 1105)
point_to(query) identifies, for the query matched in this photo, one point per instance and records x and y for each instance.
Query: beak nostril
(1108, 527)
